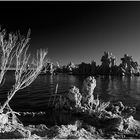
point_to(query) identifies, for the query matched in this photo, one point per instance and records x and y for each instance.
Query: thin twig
(56, 89)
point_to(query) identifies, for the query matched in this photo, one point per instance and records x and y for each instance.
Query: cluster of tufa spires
(108, 67)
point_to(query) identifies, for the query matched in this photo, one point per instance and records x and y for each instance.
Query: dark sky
(77, 31)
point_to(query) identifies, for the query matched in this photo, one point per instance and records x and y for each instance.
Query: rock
(128, 111)
(87, 91)
(112, 124)
(129, 66)
(74, 97)
(106, 61)
(3, 118)
(93, 68)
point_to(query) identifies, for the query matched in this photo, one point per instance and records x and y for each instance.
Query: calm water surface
(34, 97)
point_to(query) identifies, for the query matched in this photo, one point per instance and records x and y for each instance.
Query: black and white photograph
(69, 70)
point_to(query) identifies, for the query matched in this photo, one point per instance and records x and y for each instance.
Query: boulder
(74, 97)
(87, 91)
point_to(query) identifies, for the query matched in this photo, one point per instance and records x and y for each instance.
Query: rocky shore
(92, 118)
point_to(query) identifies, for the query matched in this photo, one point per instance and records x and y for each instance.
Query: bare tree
(25, 75)
(13, 47)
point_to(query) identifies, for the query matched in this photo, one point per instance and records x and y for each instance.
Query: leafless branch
(6, 51)
(25, 75)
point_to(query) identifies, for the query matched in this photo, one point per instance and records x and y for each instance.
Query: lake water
(34, 97)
